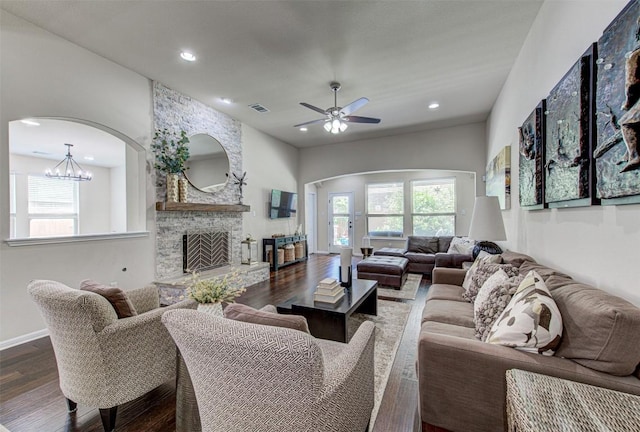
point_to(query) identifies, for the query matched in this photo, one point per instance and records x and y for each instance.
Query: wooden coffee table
(329, 321)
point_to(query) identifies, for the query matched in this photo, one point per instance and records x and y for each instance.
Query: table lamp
(486, 225)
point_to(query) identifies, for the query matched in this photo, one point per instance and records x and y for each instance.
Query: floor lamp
(487, 225)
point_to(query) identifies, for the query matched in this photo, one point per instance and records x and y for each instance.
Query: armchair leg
(108, 416)
(71, 406)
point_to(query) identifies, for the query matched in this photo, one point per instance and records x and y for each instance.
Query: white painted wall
(270, 164)
(596, 245)
(44, 75)
(465, 192)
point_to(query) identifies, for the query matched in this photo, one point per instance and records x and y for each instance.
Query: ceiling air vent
(258, 107)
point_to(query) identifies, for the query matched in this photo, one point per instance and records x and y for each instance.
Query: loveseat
(462, 379)
(424, 253)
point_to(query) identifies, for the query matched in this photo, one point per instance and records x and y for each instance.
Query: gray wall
(596, 245)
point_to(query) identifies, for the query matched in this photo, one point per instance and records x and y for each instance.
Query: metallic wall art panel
(531, 160)
(618, 109)
(498, 179)
(569, 117)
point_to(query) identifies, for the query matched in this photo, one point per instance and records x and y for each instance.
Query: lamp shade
(486, 221)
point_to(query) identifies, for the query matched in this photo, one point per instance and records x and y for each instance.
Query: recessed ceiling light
(434, 105)
(228, 101)
(30, 122)
(185, 55)
(89, 158)
(303, 129)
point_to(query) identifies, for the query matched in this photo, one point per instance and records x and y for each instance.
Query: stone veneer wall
(175, 111)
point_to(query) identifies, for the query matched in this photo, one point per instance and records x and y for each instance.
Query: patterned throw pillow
(487, 287)
(482, 256)
(484, 271)
(461, 245)
(496, 302)
(531, 322)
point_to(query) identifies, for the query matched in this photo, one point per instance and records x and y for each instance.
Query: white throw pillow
(482, 256)
(531, 322)
(487, 288)
(461, 245)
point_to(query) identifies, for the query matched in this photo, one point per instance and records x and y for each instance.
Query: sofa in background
(462, 379)
(424, 253)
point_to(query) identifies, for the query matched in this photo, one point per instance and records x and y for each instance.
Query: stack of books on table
(328, 291)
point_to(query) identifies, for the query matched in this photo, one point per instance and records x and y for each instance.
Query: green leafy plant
(216, 290)
(171, 150)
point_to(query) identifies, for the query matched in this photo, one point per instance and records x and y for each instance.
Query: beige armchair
(252, 377)
(104, 361)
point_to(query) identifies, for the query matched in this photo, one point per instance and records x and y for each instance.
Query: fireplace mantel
(201, 207)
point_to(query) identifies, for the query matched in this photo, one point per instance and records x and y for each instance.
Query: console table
(274, 243)
(543, 403)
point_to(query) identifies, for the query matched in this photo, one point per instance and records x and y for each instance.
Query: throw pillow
(487, 287)
(531, 322)
(461, 245)
(496, 303)
(240, 312)
(482, 256)
(483, 272)
(118, 298)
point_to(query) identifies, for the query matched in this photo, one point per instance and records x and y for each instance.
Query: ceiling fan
(337, 117)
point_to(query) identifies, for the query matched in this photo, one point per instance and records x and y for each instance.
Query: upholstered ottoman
(387, 270)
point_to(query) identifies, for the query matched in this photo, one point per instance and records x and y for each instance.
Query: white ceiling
(402, 55)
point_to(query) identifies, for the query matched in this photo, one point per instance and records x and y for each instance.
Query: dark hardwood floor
(31, 400)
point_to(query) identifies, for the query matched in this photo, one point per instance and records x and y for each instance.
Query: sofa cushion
(461, 245)
(240, 312)
(421, 258)
(484, 272)
(531, 322)
(515, 258)
(449, 311)
(544, 271)
(496, 303)
(121, 304)
(447, 329)
(427, 245)
(602, 331)
(445, 292)
(482, 256)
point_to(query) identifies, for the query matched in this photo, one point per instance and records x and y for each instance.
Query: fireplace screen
(205, 250)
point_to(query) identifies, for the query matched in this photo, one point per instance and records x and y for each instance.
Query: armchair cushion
(240, 312)
(118, 299)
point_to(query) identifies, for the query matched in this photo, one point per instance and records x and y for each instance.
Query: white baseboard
(23, 339)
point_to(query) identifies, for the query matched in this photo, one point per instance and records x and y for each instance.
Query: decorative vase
(173, 194)
(183, 188)
(211, 308)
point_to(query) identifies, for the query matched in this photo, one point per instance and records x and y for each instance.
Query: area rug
(406, 292)
(390, 323)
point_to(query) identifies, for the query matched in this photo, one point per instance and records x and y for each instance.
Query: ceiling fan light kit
(337, 117)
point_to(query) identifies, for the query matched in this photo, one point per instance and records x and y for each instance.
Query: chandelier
(72, 169)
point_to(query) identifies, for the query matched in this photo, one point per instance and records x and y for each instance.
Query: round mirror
(208, 163)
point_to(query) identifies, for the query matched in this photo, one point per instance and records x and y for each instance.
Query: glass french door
(340, 221)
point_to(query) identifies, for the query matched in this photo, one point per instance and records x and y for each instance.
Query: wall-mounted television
(283, 204)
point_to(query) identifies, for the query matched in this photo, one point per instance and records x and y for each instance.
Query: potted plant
(172, 151)
(211, 293)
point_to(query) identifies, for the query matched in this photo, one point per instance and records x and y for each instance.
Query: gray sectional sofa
(424, 253)
(462, 379)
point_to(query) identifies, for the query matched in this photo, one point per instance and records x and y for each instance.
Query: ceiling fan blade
(358, 119)
(311, 122)
(355, 105)
(315, 108)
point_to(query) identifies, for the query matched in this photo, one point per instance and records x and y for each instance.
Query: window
(434, 207)
(52, 207)
(385, 209)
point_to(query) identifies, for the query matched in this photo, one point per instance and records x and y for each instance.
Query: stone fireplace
(175, 111)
